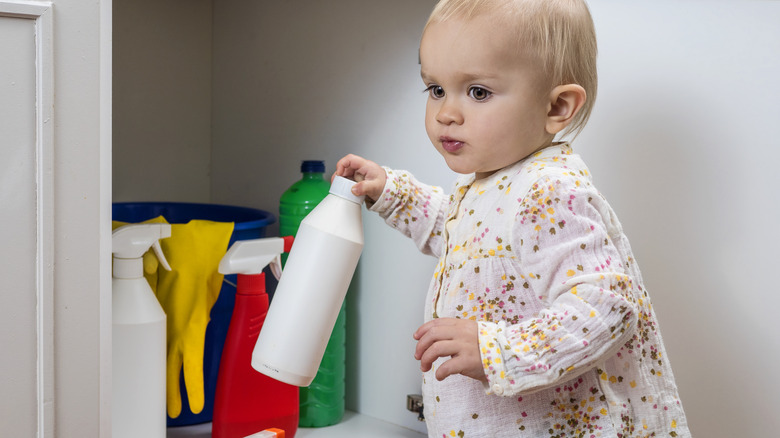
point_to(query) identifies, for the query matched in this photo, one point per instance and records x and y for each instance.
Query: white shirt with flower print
(569, 340)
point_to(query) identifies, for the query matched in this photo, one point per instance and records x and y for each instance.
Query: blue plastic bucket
(249, 223)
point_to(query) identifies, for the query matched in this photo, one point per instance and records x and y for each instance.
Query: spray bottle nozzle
(250, 257)
(130, 242)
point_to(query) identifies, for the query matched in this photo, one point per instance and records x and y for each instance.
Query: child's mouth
(450, 145)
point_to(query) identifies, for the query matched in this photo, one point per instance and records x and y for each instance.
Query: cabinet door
(56, 280)
(26, 220)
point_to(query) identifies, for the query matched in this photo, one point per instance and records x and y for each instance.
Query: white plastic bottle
(311, 290)
(139, 336)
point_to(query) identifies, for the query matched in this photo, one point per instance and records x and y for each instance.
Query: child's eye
(435, 91)
(479, 93)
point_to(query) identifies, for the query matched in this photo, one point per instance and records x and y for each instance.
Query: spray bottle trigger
(160, 256)
(276, 266)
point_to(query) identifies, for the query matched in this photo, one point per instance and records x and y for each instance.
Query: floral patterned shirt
(569, 341)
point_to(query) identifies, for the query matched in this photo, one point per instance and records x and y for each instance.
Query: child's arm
(564, 237)
(572, 264)
(415, 209)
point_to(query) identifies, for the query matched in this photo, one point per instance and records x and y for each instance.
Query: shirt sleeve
(564, 231)
(415, 209)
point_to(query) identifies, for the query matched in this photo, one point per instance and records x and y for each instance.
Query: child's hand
(444, 337)
(370, 176)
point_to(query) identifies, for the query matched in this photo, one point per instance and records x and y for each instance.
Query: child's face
(488, 103)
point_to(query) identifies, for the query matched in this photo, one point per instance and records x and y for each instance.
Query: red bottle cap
(251, 284)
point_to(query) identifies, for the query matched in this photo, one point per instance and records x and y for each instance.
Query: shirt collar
(549, 153)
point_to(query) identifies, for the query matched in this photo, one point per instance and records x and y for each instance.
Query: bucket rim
(266, 217)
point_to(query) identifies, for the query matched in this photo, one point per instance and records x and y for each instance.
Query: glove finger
(150, 269)
(193, 378)
(173, 392)
(150, 262)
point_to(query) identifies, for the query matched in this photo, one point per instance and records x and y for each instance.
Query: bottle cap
(253, 284)
(342, 188)
(309, 166)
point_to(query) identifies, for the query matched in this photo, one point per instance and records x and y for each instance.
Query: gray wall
(162, 100)
(680, 141)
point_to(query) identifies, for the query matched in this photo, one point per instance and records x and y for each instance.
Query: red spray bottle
(247, 401)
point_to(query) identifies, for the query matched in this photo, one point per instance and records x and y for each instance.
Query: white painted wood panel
(26, 220)
(17, 224)
(82, 183)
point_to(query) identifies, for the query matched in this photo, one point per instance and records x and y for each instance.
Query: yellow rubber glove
(187, 294)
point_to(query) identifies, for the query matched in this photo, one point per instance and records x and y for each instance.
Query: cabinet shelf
(353, 425)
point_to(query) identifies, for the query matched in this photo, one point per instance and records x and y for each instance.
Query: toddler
(538, 323)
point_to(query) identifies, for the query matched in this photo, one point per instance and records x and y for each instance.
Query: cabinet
(352, 425)
(27, 216)
(55, 137)
(219, 101)
(678, 134)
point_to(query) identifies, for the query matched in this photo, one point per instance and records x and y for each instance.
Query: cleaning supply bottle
(247, 401)
(322, 403)
(301, 198)
(311, 291)
(139, 336)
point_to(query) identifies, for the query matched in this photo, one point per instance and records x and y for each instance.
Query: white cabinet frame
(41, 13)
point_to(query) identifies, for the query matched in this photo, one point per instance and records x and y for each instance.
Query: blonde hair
(560, 33)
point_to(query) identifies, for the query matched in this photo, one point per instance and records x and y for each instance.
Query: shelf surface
(353, 425)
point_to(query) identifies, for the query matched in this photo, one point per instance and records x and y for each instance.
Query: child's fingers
(436, 350)
(423, 329)
(466, 362)
(362, 188)
(454, 338)
(353, 166)
(450, 367)
(440, 337)
(428, 334)
(350, 166)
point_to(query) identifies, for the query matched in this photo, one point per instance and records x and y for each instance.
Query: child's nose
(449, 112)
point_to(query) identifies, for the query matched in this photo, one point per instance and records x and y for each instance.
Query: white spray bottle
(139, 336)
(310, 293)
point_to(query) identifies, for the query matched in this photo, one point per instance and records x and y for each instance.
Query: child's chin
(456, 164)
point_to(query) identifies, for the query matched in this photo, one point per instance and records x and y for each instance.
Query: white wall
(681, 142)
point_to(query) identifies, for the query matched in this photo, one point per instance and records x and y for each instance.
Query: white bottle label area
(138, 408)
(305, 305)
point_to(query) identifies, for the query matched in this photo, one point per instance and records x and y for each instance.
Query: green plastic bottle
(301, 198)
(322, 403)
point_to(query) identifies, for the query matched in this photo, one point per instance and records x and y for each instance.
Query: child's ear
(565, 102)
